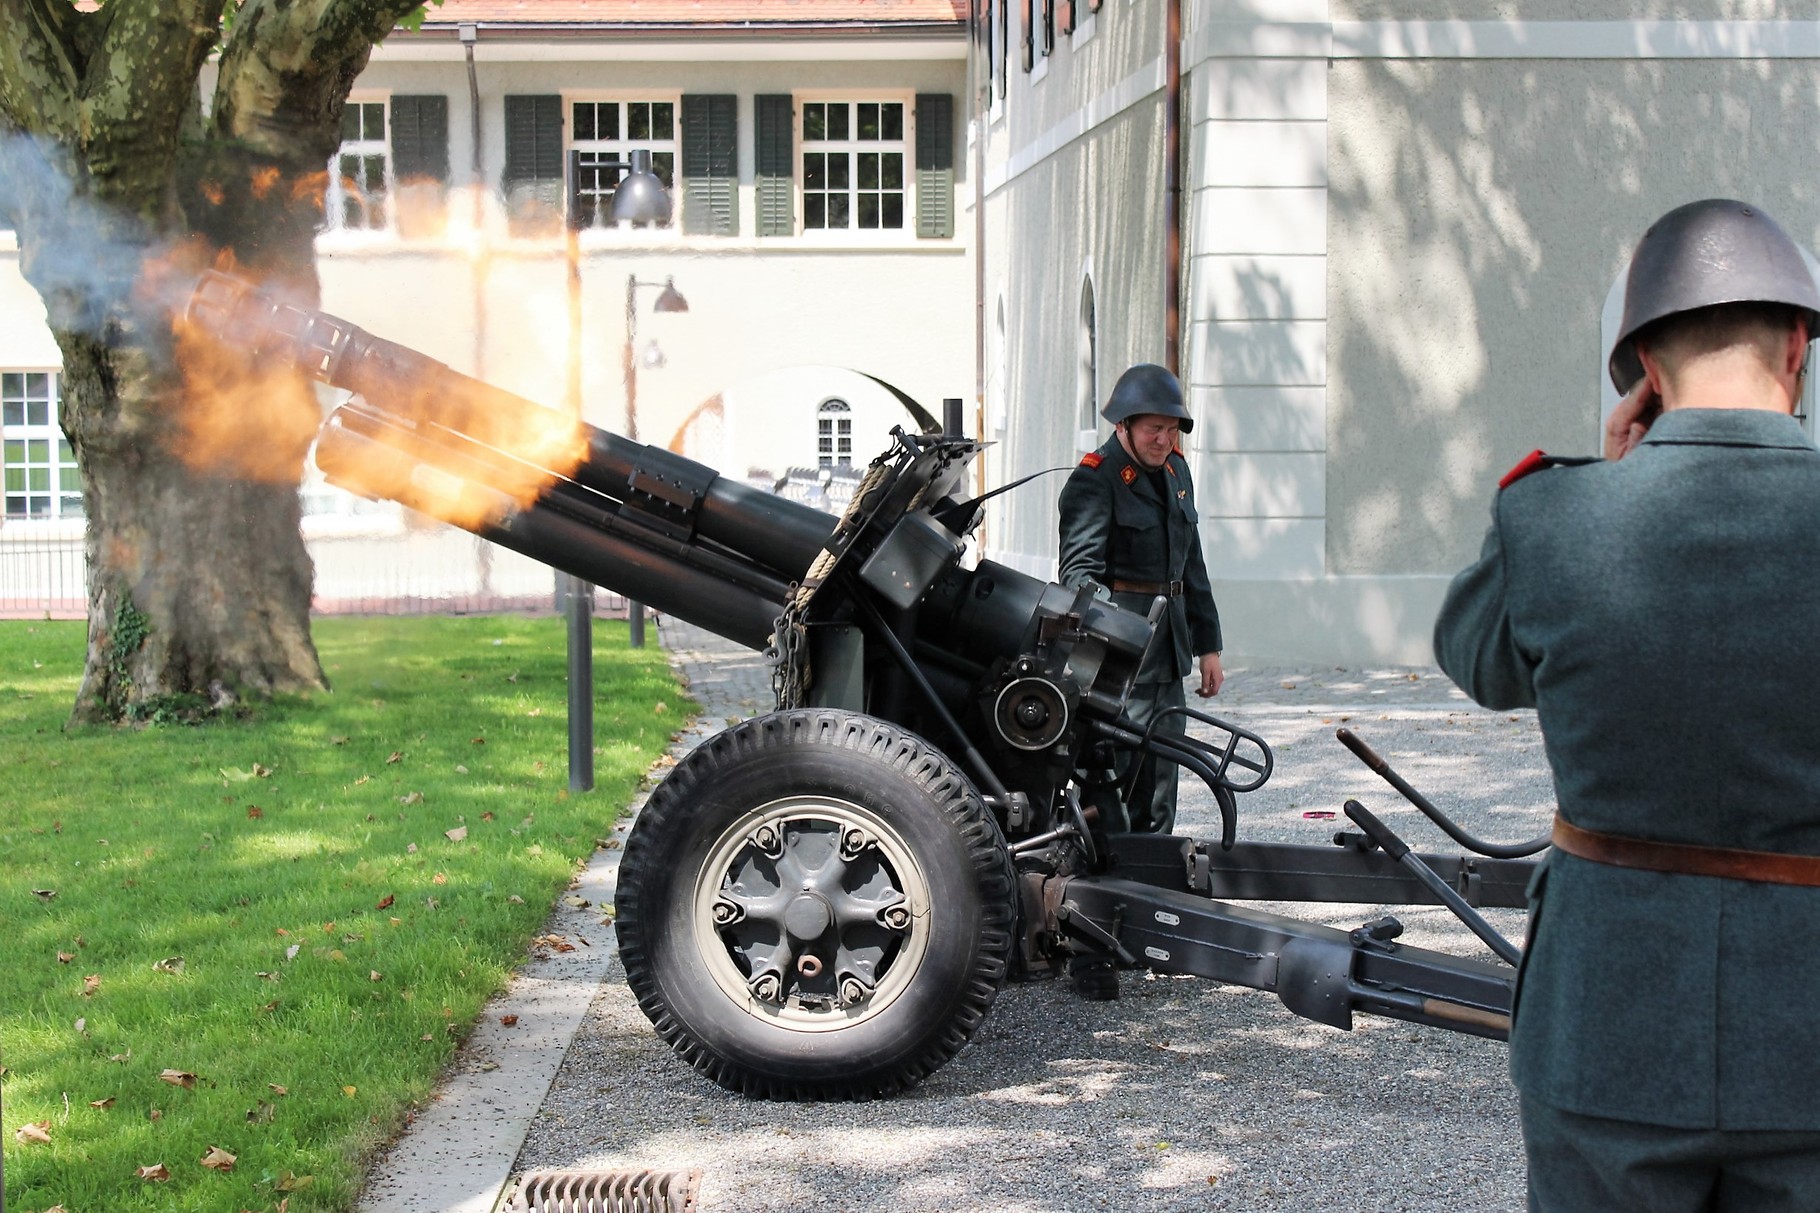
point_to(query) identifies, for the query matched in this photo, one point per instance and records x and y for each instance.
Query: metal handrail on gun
(1492, 850)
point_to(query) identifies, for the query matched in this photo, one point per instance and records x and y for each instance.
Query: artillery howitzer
(824, 901)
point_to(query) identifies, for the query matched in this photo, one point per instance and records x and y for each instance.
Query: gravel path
(1183, 1094)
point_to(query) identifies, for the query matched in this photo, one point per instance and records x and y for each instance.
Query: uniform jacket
(1114, 526)
(1662, 613)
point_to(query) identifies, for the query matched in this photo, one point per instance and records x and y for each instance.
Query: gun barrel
(544, 532)
(646, 522)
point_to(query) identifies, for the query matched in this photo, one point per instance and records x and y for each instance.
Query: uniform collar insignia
(1128, 474)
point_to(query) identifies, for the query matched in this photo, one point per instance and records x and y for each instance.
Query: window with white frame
(853, 165)
(834, 434)
(37, 466)
(604, 131)
(360, 177)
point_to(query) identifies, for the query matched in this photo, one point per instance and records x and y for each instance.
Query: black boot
(1095, 978)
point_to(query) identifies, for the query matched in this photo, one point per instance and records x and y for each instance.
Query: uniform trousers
(1151, 806)
(1591, 1164)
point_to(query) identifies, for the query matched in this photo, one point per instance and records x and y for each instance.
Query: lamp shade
(671, 299)
(640, 196)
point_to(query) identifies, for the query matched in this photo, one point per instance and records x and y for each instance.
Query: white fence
(374, 560)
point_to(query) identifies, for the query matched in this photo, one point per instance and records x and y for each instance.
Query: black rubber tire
(929, 839)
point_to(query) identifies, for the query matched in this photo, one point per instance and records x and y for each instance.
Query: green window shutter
(420, 138)
(776, 165)
(934, 166)
(710, 165)
(533, 177)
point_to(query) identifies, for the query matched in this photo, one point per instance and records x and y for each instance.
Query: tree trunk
(199, 583)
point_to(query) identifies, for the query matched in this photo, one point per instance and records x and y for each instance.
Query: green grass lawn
(268, 936)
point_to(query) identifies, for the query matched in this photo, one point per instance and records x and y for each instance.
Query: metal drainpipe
(1172, 189)
(469, 34)
(978, 100)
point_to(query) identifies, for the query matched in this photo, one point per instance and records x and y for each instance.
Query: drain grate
(605, 1192)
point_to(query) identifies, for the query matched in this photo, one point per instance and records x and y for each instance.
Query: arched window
(1086, 375)
(834, 433)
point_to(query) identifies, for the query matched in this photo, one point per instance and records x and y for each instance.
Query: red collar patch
(1128, 474)
(1534, 461)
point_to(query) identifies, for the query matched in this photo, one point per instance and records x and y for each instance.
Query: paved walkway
(523, 1098)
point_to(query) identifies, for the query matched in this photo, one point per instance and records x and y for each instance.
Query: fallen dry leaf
(580, 903)
(102, 1103)
(375, 975)
(271, 1006)
(338, 741)
(253, 810)
(82, 1025)
(509, 1020)
(64, 958)
(179, 1078)
(411, 798)
(456, 834)
(290, 953)
(440, 878)
(155, 1114)
(293, 1183)
(349, 1091)
(487, 816)
(460, 770)
(170, 964)
(36, 1134)
(122, 1057)
(90, 984)
(44, 894)
(395, 756)
(516, 900)
(154, 1173)
(261, 772)
(278, 1089)
(218, 1159)
(477, 741)
(385, 903)
(262, 1114)
(362, 779)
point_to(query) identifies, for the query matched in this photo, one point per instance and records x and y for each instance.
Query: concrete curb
(458, 1155)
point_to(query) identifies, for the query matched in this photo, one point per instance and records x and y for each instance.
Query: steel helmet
(1715, 251)
(1147, 388)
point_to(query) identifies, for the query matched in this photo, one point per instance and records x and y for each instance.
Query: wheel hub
(809, 909)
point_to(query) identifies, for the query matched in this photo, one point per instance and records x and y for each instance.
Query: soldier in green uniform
(1128, 524)
(1661, 611)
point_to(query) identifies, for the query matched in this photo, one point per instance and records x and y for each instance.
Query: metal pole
(635, 610)
(579, 611)
(578, 595)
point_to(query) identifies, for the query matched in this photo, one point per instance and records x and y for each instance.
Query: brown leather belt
(1169, 589)
(1766, 867)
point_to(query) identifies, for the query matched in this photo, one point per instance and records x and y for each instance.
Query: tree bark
(199, 582)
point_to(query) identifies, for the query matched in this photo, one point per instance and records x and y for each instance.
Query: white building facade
(1403, 228)
(813, 155)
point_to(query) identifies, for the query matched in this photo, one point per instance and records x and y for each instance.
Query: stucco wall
(1479, 211)
(1074, 195)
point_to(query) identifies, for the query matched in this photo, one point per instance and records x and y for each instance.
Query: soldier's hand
(1212, 676)
(1631, 420)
